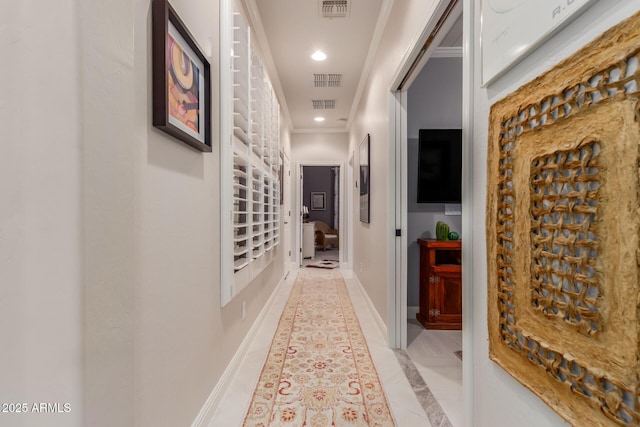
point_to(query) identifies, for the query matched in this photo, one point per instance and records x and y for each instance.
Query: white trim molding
(210, 406)
(447, 52)
(468, 86)
(374, 312)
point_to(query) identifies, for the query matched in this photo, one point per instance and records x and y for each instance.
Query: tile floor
(329, 254)
(442, 374)
(433, 354)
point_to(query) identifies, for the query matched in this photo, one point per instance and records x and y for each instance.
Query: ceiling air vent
(324, 104)
(335, 8)
(327, 80)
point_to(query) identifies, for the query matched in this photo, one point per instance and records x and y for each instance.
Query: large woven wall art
(563, 226)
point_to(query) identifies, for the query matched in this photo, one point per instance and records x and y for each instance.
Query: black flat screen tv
(440, 166)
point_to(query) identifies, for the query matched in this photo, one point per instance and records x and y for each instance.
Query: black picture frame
(181, 80)
(281, 178)
(364, 161)
(318, 201)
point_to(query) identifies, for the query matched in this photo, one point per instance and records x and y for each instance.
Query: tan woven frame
(563, 227)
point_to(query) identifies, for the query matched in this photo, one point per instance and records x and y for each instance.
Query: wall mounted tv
(440, 166)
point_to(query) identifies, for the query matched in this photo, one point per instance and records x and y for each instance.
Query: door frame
(398, 129)
(344, 242)
(286, 212)
(409, 68)
(397, 292)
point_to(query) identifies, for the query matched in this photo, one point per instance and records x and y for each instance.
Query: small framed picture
(281, 178)
(365, 178)
(318, 201)
(181, 80)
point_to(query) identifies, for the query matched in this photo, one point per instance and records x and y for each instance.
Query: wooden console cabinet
(440, 284)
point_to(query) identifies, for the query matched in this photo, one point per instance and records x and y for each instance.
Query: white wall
(41, 289)
(184, 340)
(434, 101)
(373, 241)
(66, 226)
(319, 147)
(109, 228)
(108, 147)
(499, 400)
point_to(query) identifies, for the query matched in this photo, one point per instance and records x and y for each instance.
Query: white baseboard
(213, 401)
(412, 310)
(374, 311)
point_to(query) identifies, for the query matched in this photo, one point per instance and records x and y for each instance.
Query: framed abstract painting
(365, 178)
(181, 80)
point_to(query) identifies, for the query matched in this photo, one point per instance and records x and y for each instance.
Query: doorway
(423, 96)
(321, 231)
(441, 40)
(434, 103)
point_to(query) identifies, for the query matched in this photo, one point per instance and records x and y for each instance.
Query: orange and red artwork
(181, 80)
(183, 83)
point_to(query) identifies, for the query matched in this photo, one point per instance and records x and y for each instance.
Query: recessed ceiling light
(319, 119)
(319, 55)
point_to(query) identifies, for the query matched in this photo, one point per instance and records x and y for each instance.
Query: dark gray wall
(434, 101)
(319, 178)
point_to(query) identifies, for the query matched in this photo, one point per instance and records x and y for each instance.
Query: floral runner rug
(319, 371)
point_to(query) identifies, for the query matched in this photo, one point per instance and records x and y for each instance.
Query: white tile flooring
(433, 354)
(442, 374)
(329, 254)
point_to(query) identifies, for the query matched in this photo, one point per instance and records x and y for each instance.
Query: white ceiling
(293, 29)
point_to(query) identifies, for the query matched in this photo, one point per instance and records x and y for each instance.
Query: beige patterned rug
(319, 371)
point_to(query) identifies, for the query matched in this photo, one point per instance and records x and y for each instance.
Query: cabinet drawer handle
(434, 312)
(434, 279)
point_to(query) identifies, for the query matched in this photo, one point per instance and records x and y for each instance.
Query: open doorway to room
(321, 207)
(434, 267)
(428, 294)
(434, 168)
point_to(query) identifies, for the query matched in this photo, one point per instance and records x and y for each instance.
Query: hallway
(141, 279)
(412, 402)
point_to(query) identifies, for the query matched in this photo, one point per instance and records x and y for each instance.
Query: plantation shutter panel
(255, 153)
